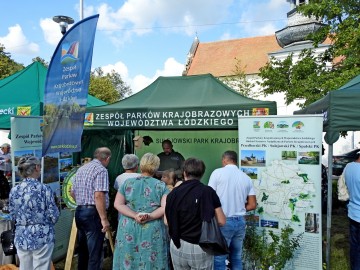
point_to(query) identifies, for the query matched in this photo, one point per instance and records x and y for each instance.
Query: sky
(139, 39)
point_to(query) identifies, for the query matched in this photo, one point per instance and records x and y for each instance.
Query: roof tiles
(219, 58)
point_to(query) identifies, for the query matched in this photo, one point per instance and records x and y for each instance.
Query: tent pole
(329, 206)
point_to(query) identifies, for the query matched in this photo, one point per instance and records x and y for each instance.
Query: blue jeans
(354, 244)
(234, 233)
(90, 239)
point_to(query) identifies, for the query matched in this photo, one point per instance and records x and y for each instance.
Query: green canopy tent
(182, 102)
(340, 110)
(23, 93)
(186, 107)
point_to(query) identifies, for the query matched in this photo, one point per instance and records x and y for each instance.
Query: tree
(239, 81)
(109, 86)
(7, 65)
(41, 60)
(102, 88)
(123, 89)
(309, 78)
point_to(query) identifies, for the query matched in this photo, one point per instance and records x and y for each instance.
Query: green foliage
(310, 78)
(102, 88)
(123, 89)
(7, 65)
(239, 82)
(264, 249)
(41, 60)
(108, 87)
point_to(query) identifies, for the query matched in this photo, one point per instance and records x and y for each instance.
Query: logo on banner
(23, 111)
(69, 53)
(260, 111)
(66, 89)
(89, 119)
(298, 125)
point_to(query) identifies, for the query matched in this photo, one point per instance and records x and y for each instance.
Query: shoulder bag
(7, 241)
(343, 192)
(211, 239)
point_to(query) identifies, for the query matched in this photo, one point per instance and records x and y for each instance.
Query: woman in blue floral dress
(141, 240)
(33, 208)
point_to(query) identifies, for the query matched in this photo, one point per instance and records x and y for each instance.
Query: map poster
(282, 155)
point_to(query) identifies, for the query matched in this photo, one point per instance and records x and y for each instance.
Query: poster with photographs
(26, 140)
(282, 156)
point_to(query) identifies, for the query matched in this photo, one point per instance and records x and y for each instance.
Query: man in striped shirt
(91, 192)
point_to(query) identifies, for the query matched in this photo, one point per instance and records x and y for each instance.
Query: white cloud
(119, 67)
(51, 31)
(141, 17)
(226, 36)
(139, 82)
(265, 17)
(267, 29)
(171, 68)
(16, 42)
(106, 18)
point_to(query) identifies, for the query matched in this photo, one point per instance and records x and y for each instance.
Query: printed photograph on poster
(251, 172)
(289, 155)
(312, 223)
(253, 158)
(252, 219)
(309, 158)
(65, 165)
(269, 223)
(51, 168)
(64, 155)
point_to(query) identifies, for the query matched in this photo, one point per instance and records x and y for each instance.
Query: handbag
(343, 192)
(212, 240)
(7, 242)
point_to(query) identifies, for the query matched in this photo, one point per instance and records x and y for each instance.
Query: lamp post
(63, 21)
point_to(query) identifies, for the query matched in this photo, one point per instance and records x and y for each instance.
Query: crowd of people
(161, 209)
(161, 203)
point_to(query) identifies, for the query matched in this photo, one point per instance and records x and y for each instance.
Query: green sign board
(207, 145)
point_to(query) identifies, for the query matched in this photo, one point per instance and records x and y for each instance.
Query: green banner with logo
(207, 145)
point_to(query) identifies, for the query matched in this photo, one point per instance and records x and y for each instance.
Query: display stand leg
(109, 236)
(71, 247)
(72, 241)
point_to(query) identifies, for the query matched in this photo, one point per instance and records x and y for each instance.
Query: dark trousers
(354, 244)
(90, 239)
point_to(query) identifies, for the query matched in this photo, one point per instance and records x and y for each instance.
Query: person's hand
(105, 225)
(142, 218)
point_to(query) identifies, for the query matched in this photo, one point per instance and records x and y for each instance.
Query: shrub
(264, 249)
